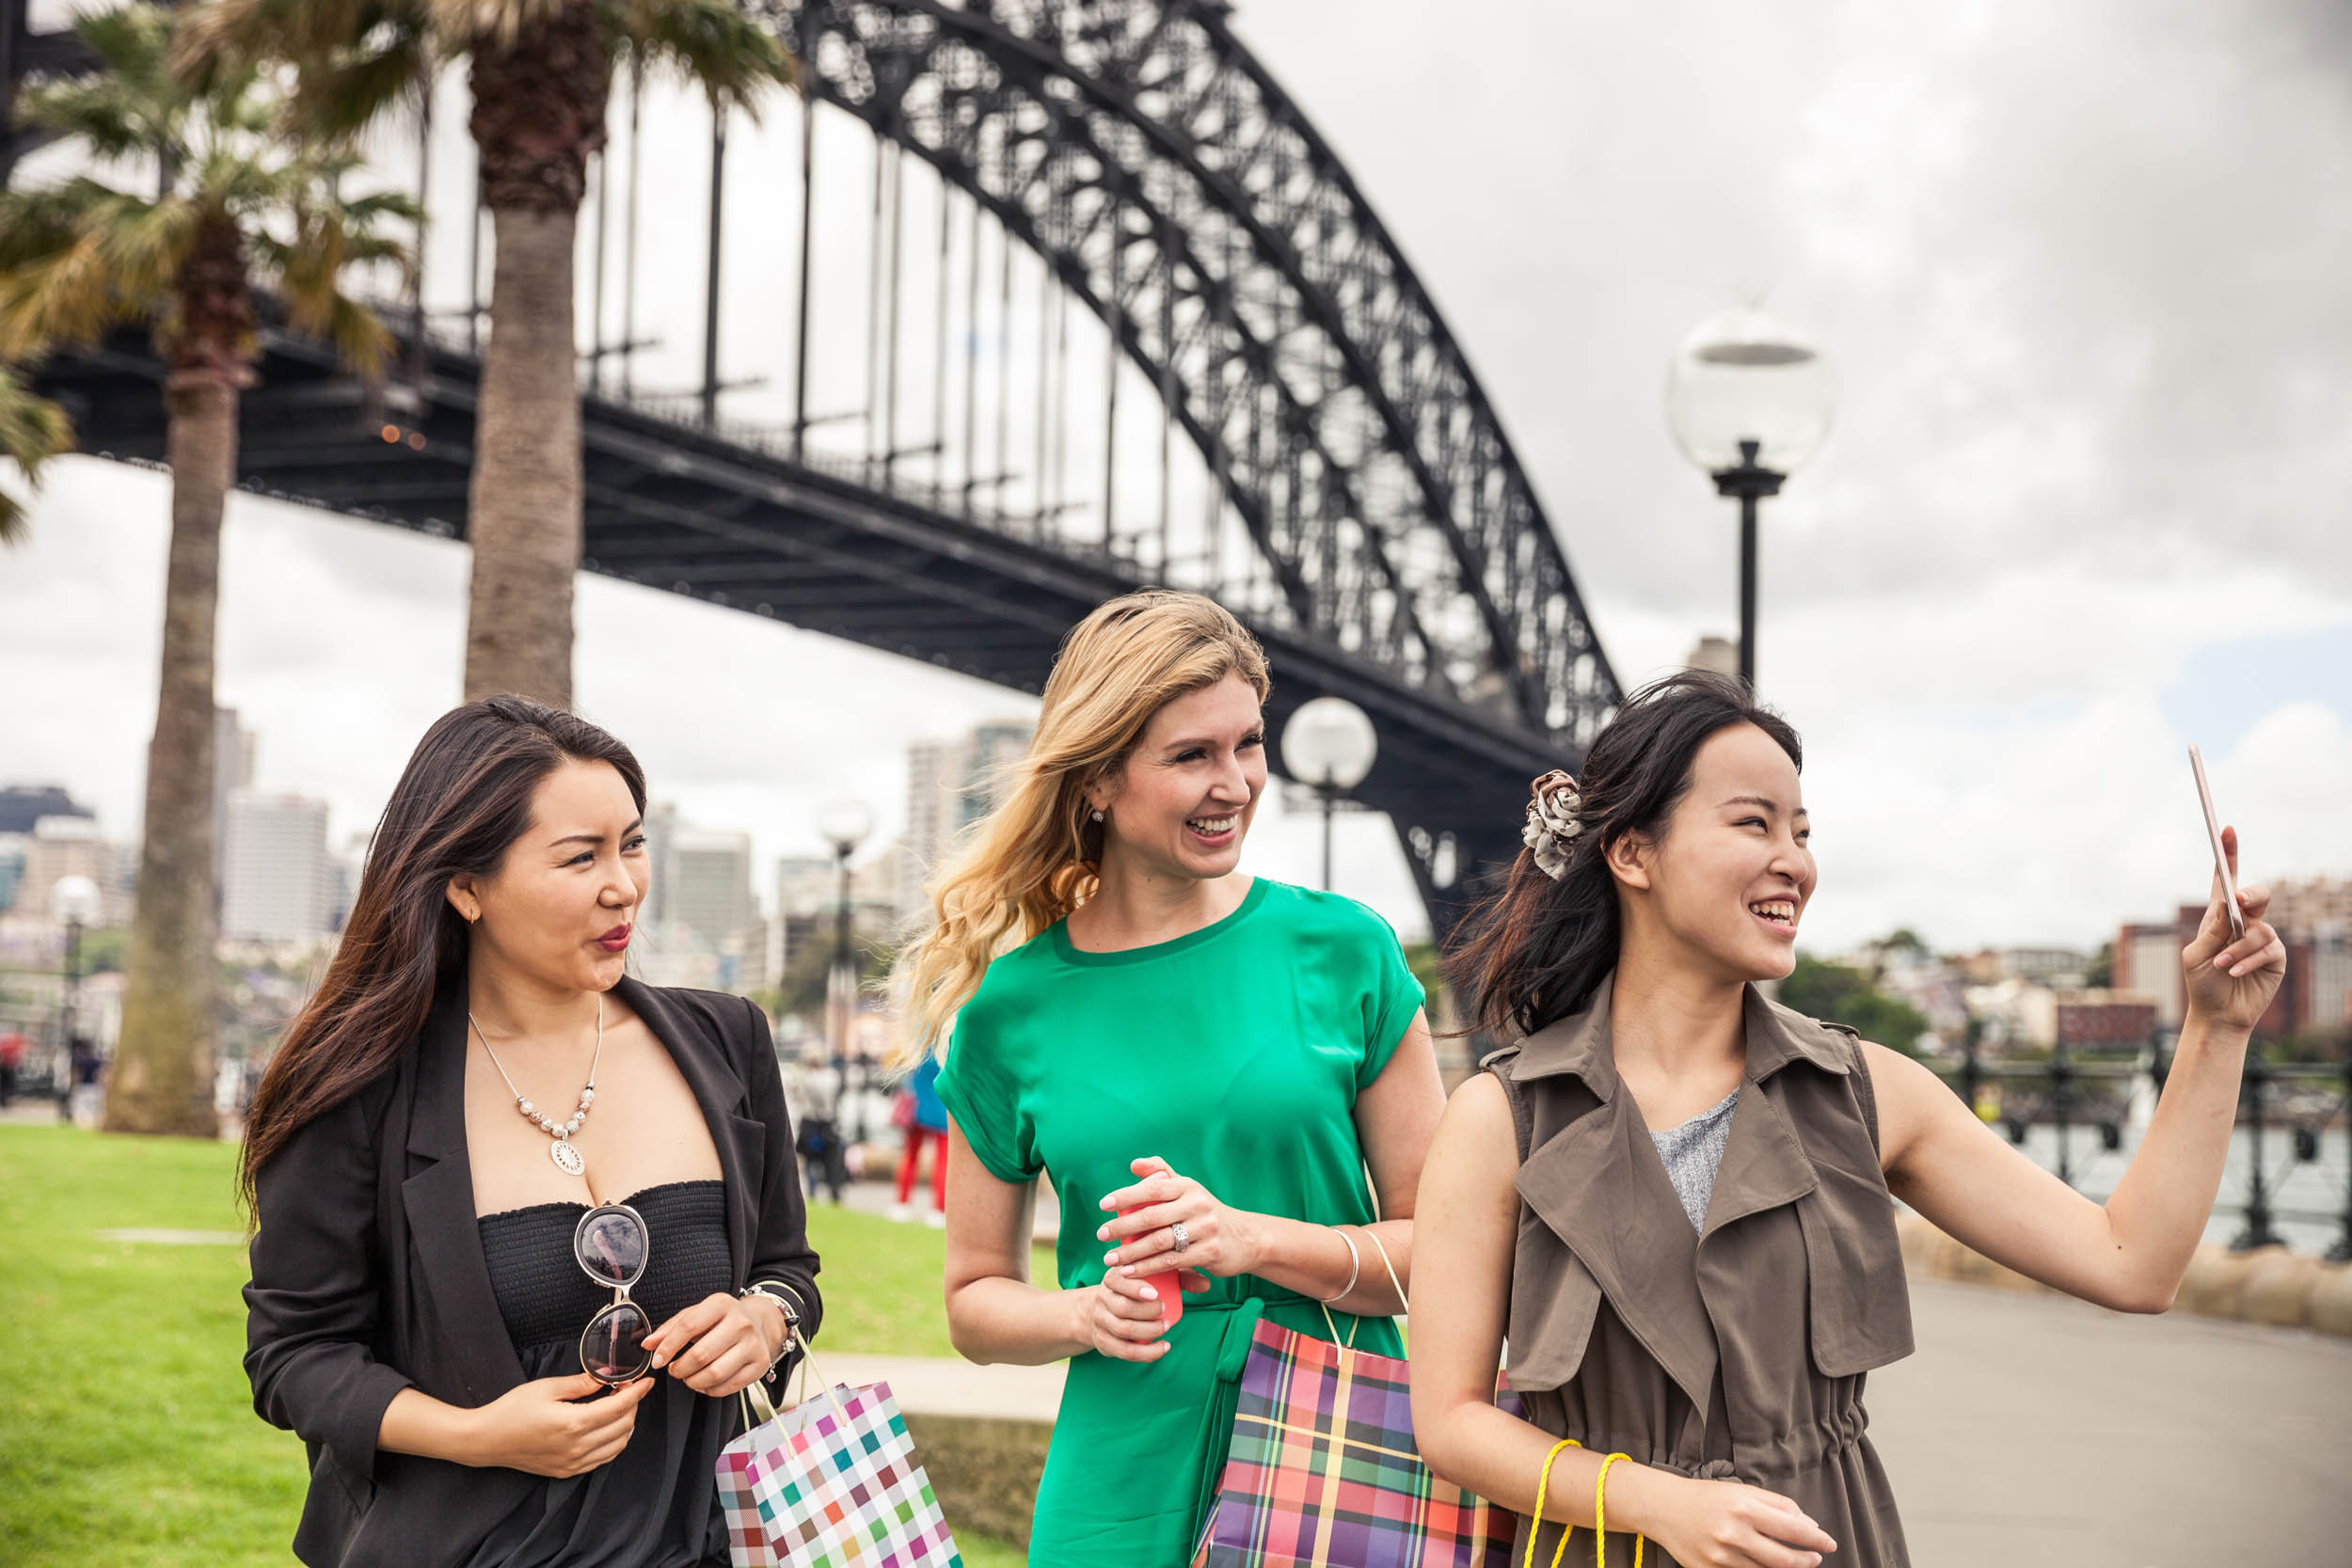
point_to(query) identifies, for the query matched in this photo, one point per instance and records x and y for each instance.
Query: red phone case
(1165, 1286)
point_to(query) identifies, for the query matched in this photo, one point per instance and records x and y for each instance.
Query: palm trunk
(524, 502)
(538, 113)
(162, 1078)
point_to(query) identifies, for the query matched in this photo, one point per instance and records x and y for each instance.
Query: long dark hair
(1533, 952)
(462, 800)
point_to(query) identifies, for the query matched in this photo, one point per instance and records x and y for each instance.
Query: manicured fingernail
(660, 1362)
(1129, 1270)
(1102, 1233)
(1111, 1257)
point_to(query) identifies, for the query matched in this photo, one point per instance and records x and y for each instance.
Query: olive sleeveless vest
(1738, 1352)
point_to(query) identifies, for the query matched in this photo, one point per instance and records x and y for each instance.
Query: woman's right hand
(1727, 1524)
(551, 1427)
(1120, 1318)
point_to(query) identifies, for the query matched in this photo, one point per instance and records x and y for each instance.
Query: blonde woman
(1223, 1055)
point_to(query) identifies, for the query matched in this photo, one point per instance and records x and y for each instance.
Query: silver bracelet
(767, 1290)
(1355, 1265)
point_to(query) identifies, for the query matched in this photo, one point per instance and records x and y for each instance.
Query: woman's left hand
(2232, 983)
(1218, 1241)
(721, 1345)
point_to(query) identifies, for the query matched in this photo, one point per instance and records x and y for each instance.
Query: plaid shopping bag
(833, 1483)
(747, 1533)
(1322, 1470)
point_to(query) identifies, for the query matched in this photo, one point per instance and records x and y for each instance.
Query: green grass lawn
(127, 1433)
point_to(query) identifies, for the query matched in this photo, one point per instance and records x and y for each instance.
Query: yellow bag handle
(1600, 1513)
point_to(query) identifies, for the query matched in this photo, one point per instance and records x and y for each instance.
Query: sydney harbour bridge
(1093, 307)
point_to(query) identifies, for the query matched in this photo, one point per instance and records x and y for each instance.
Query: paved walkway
(2029, 1431)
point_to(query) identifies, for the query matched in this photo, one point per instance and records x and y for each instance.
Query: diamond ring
(1184, 1241)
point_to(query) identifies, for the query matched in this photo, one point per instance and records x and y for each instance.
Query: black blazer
(368, 1274)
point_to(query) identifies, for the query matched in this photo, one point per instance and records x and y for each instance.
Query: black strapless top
(656, 1505)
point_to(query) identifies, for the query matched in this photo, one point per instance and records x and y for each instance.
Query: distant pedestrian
(86, 1076)
(11, 1062)
(823, 1160)
(926, 1124)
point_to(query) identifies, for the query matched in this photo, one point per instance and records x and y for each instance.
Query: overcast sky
(2086, 272)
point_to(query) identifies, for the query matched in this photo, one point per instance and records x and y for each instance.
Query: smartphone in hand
(2220, 860)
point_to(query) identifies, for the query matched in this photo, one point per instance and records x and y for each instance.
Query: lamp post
(1330, 744)
(1748, 398)
(74, 903)
(844, 824)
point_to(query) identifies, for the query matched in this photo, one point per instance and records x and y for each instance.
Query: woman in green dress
(1224, 1056)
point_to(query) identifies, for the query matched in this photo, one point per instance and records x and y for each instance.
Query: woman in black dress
(510, 1340)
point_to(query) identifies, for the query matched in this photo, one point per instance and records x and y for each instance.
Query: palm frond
(93, 108)
(37, 221)
(141, 243)
(70, 297)
(710, 44)
(76, 259)
(235, 35)
(32, 431)
(131, 44)
(495, 22)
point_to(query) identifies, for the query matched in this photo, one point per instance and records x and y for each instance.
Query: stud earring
(1098, 815)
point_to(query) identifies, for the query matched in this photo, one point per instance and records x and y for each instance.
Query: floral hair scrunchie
(1551, 822)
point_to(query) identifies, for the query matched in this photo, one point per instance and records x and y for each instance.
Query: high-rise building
(2148, 964)
(278, 883)
(950, 785)
(23, 805)
(1717, 654)
(14, 848)
(2312, 904)
(233, 771)
(73, 847)
(710, 886)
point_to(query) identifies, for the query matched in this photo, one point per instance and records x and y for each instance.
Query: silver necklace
(563, 1152)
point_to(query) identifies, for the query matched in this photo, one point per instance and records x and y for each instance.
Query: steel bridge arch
(1310, 369)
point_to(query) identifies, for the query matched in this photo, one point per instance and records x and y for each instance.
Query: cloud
(2086, 270)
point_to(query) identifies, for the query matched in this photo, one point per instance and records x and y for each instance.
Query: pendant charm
(567, 1158)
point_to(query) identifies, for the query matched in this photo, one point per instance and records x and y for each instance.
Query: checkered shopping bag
(831, 1482)
(1322, 1469)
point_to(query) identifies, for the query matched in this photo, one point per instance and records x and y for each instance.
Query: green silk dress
(1235, 1054)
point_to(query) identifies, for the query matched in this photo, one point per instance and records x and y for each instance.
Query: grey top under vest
(1693, 1153)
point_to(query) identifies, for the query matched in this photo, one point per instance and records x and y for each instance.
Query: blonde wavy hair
(1038, 855)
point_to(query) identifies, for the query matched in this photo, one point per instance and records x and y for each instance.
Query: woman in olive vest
(1672, 1196)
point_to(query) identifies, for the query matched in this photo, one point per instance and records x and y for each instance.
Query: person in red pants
(926, 1122)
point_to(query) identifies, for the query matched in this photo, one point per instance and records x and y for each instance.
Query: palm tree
(542, 73)
(32, 431)
(231, 211)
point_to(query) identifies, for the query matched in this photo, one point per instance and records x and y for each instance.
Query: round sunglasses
(611, 1244)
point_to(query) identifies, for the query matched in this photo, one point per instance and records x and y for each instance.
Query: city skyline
(2079, 508)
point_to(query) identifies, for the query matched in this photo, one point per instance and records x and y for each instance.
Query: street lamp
(1748, 398)
(1330, 744)
(74, 903)
(844, 824)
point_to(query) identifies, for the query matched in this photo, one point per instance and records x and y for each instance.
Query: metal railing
(2105, 1097)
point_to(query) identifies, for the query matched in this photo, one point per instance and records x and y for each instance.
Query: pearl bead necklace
(563, 1152)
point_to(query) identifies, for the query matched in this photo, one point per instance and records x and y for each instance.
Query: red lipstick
(615, 940)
